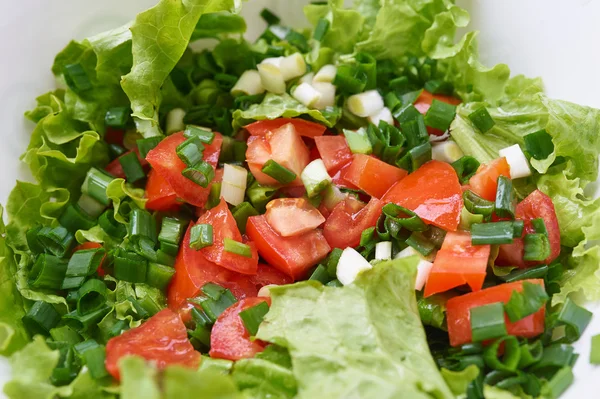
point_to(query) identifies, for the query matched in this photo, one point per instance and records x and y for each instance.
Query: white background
(555, 39)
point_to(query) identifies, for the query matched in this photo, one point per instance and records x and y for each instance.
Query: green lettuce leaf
(218, 23)
(120, 192)
(262, 379)
(363, 340)
(156, 51)
(138, 379)
(345, 25)
(277, 106)
(458, 381)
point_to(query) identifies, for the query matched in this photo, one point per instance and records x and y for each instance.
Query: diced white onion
(447, 151)
(516, 160)
(326, 74)
(327, 91)
(423, 268)
(249, 84)
(266, 290)
(308, 78)
(292, 66)
(383, 250)
(273, 61)
(332, 196)
(233, 187)
(384, 115)
(175, 120)
(365, 104)
(271, 78)
(351, 263)
(306, 94)
(315, 177)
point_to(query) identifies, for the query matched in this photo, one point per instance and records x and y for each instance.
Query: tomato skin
(334, 152)
(267, 275)
(290, 255)
(293, 216)
(304, 128)
(115, 168)
(160, 194)
(162, 340)
(373, 176)
(339, 180)
(348, 220)
(167, 164)
(458, 312)
(229, 338)
(485, 182)
(114, 135)
(535, 205)
(457, 263)
(433, 192)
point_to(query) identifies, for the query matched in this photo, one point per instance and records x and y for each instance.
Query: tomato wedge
(229, 338)
(304, 128)
(160, 194)
(334, 152)
(115, 168)
(459, 311)
(293, 216)
(457, 263)
(167, 164)
(485, 182)
(432, 192)
(290, 255)
(162, 340)
(373, 176)
(224, 226)
(348, 220)
(267, 275)
(535, 205)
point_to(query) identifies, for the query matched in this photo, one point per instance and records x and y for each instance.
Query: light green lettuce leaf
(262, 379)
(180, 383)
(217, 24)
(138, 380)
(160, 36)
(113, 54)
(368, 9)
(458, 381)
(345, 25)
(234, 56)
(49, 103)
(118, 191)
(364, 340)
(438, 40)
(491, 392)
(276, 106)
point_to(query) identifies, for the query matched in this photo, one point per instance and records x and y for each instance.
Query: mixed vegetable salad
(355, 210)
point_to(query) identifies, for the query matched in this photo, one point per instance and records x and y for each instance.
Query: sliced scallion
(268, 16)
(76, 78)
(41, 318)
(465, 168)
(477, 205)
(214, 308)
(505, 201)
(205, 136)
(539, 144)
(321, 29)
(148, 144)
(91, 296)
(525, 303)
(525, 274)
(407, 218)
(510, 358)
(132, 167)
(171, 232)
(252, 317)
(73, 219)
(440, 115)
(260, 195)
(241, 213)
(202, 173)
(420, 243)
(130, 267)
(116, 116)
(237, 248)
(95, 185)
(48, 271)
(56, 240)
(320, 274)
(278, 172)
(110, 226)
(158, 275)
(190, 151)
(201, 236)
(537, 247)
(492, 233)
(487, 322)
(482, 119)
(575, 318)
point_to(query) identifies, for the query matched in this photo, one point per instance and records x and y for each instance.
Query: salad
(356, 210)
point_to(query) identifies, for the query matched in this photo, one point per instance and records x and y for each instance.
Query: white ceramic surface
(555, 39)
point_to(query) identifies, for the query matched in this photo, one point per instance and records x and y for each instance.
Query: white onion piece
(327, 91)
(292, 66)
(326, 74)
(446, 151)
(233, 187)
(366, 104)
(351, 263)
(315, 177)
(271, 78)
(306, 94)
(249, 84)
(516, 160)
(383, 250)
(384, 115)
(423, 268)
(308, 78)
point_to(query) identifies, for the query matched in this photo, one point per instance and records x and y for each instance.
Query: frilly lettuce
(345, 25)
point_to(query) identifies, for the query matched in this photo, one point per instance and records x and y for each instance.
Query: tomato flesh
(334, 152)
(290, 255)
(485, 182)
(348, 219)
(433, 192)
(304, 128)
(457, 263)
(459, 310)
(373, 176)
(162, 340)
(229, 338)
(160, 194)
(293, 216)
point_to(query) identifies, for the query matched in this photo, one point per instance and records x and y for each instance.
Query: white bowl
(554, 39)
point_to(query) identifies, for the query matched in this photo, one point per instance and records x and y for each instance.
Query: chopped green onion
(367, 64)
(465, 168)
(419, 155)
(315, 178)
(420, 243)
(487, 322)
(171, 232)
(525, 274)
(48, 271)
(268, 16)
(130, 267)
(252, 317)
(164, 258)
(241, 213)
(232, 151)
(555, 355)
(539, 144)
(148, 144)
(297, 40)
(575, 318)
(76, 78)
(492, 233)
(477, 205)
(321, 29)
(202, 173)
(537, 247)
(440, 115)
(399, 84)
(511, 357)
(320, 274)
(142, 224)
(116, 116)
(41, 318)
(132, 167)
(57, 240)
(260, 195)
(350, 79)
(505, 201)
(405, 114)
(522, 304)
(110, 226)
(158, 275)
(333, 260)
(237, 248)
(213, 308)
(91, 296)
(358, 141)
(595, 351)
(213, 291)
(225, 81)
(407, 218)
(335, 283)
(190, 151)
(530, 354)
(367, 236)
(201, 236)
(437, 86)
(540, 226)
(205, 136)
(82, 322)
(73, 219)
(560, 382)
(278, 172)
(95, 185)
(482, 119)
(467, 219)
(93, 356)
(415, 131)
(33, 243)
